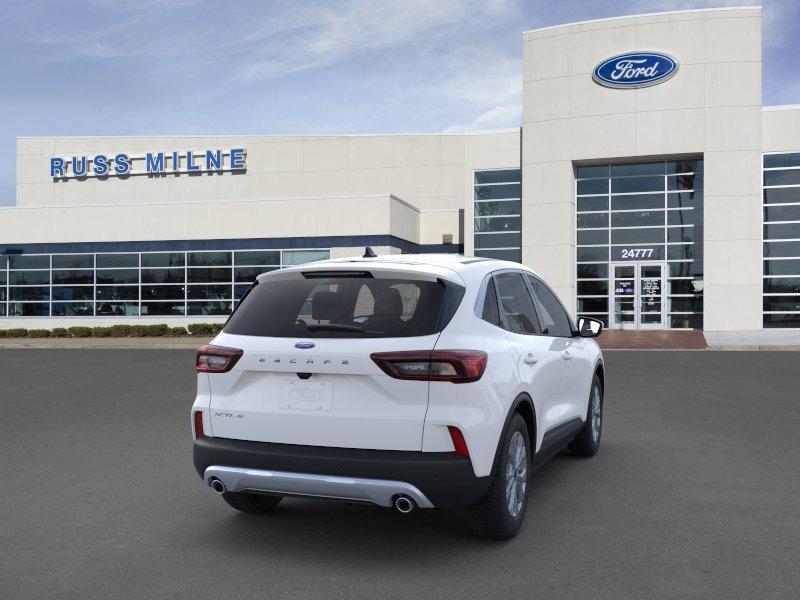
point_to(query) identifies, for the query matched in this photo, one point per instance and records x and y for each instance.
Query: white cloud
(497, 117)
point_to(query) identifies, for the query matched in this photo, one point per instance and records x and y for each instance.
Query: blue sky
(105, 67)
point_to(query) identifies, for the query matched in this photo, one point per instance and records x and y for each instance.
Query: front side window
(555, 320)
(516, 305)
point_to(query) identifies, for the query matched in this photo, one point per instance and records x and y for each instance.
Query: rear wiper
(337, 327)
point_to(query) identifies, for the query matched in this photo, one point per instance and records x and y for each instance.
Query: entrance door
(637, 290)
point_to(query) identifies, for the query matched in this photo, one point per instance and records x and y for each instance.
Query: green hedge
(160, 330)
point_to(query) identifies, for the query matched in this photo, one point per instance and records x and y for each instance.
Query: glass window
(592, 271)
(491, 311)
(222, 275)
(496, 192)
(685, 286)
(625, 185)
(593, 305)
(163, 276)
(782, 213)
(593, 288)
(257, 257)
(498, 240)
(782, 320)
(28, 309)
(685, 200)
(789, 159)
(555, 320)
(782, 249)
(117, 292)
(592, 186)
(500, 207)
(113, 261)
(73, 292)
(651, 168)
(117, 275)
(782, 303)
(209, 292)
(589, 254)
(29, 277)
(209, 308)
(637, 202)
(782, 195)
(209, 259)
(162, 292)
(694, 304)
(782, 285)
(29, 293)
(516, 305)
(73, 277)
(590, 220)
(637, 219)
(25, 261)
(163, 259)
(782, 267)
(680, 234)
(686, 321)
(596, 203)
(782, 231)
(684, 182)
(586, 171)
(498, 176)
(239, 290)
(637, 236)
(680, 252)
(684, 166)
(351, 307)
(301, 257)
(73, 261)
(117, 309)
(681, 269)
(787, 177)
(249, 274)
(163, 309)
(684, 217)
(72, 309)
(592, 237)
(513, 255)
(498, 224)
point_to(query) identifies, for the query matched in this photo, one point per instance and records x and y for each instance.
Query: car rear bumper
(433, 479)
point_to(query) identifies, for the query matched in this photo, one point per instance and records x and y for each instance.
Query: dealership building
(647, 184)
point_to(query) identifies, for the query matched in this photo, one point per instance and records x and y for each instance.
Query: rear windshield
(351, 307)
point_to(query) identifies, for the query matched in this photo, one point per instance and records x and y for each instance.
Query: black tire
(492, 517)
(252, 503)
(587, 441)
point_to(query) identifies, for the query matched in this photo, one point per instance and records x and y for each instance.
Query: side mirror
(588, 327)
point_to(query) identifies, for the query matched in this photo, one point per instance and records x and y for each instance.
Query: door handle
(530, 359)
(566, 355)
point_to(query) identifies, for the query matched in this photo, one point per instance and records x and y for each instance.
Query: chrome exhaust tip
(218, 486)
(404, 504)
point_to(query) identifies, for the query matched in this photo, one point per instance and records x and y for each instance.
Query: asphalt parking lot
(695, 494)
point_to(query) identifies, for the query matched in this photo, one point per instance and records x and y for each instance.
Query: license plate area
(306, 395)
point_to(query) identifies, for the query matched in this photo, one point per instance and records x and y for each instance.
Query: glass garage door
(641, 214)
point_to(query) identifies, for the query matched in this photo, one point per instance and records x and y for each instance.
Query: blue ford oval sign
(635, 70)
(304, 345)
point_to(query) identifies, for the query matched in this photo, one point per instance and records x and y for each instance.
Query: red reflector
(459, 443)
(198, 424)
(216, 359)
(456, 366)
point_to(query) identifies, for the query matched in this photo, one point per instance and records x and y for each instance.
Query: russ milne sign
(150, 163)
(635, 70)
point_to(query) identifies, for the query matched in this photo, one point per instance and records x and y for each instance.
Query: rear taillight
(459, 443)
(216, 359)
(457, 366)
(198, 424)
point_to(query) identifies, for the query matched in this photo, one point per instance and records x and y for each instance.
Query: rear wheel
(252, 503)
(587, 441)
(499, 514)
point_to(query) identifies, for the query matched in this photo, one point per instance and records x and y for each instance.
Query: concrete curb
(176, 343)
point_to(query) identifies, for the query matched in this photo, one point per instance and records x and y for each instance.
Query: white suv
(407, 381)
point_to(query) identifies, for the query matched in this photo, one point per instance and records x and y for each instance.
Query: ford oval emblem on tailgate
(304, 345)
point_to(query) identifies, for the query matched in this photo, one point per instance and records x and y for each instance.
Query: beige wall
(781, 128)
(711, 107)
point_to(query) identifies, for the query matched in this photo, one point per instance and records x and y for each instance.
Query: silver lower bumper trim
(377, 491)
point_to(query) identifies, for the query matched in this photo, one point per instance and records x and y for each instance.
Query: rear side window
(555, 320)
(351, 307)
(491, 312)
(516, 305)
